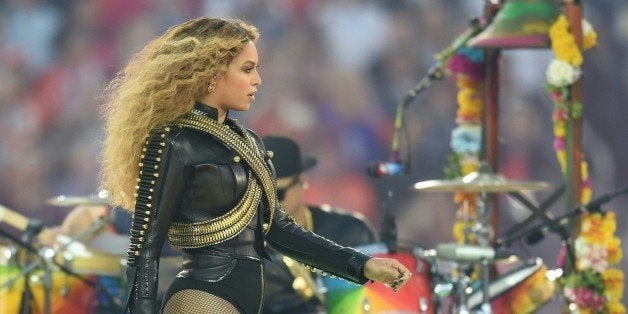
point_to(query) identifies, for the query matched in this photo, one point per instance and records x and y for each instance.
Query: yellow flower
(609, 223)
(464, 81)
(458, 231)
(470, 99)
(562, 159)
(586, 195)
(560, 129)
(613, 249)
(563, 43)
(590, 228)
(589, 36)
(613, 283)
(469, 166)
(615, 308)
(584, 168)
(561, 25)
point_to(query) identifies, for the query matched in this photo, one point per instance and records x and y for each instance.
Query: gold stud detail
(236, 158)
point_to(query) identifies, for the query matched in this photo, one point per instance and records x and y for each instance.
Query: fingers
(401, 280)
(387, 271)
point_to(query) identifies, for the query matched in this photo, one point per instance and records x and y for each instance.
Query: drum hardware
(464, 253)
(102, 198)
(481, 182)
(518, 278)
(540, 210)
(557, 224)
(388, 230)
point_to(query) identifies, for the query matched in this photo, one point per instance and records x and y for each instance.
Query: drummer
(344, 228)
(95, 225)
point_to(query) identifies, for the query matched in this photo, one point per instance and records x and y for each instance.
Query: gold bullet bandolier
(144, 191)
(222, 228)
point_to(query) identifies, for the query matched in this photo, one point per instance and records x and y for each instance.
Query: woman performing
(203, 181)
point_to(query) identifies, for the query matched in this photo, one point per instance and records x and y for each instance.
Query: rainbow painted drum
(343, 297)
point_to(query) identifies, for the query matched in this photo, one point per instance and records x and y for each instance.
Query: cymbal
(64, 201)
(478, 182)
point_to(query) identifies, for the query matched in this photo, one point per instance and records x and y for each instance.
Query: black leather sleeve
(169, 187)
(289, 238)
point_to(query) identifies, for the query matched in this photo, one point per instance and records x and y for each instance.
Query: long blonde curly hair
(158, 85)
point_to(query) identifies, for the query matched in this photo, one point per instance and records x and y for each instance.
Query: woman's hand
(387, 271)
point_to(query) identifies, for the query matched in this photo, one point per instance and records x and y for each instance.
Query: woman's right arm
(150, 226)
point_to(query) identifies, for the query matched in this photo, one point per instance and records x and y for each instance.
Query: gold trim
(219, 229)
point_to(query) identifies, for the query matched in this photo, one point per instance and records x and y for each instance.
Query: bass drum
(342, 296)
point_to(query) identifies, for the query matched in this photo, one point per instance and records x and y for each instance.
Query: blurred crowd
(333, 73)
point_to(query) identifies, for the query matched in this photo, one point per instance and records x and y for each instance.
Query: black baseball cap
(287, 157)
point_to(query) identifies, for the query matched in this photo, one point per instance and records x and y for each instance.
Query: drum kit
(70, 277)
(44, 271)
(443, 278)
(456, 290)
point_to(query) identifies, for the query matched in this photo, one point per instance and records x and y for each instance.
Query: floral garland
(593, 286)
(467, 66)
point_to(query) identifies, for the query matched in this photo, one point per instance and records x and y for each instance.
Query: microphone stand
(435, 72)
(388, 234)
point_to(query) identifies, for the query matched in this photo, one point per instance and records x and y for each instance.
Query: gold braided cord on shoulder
(219, 229)
(245, 146)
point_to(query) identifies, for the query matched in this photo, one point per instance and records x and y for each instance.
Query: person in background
(202, 180)
(288, 289)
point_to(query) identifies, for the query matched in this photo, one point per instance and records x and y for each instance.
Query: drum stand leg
(486, 299)
(33, 228)
(484, 234)
(463, 285)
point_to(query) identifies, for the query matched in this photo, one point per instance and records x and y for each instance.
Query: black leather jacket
(199, 179)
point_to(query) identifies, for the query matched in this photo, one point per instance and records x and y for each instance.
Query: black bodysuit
(199, 179)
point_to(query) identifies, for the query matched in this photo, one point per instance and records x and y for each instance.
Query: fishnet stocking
(198, 302)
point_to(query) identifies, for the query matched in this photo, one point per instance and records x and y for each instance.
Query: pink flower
(560, 259)
(557, 96)
(587, 183)
(459, 63)
(585, 297)
(559, 143)
(560, 114)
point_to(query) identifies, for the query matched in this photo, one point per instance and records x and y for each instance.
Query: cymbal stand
(461, 283)
(484, 232)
